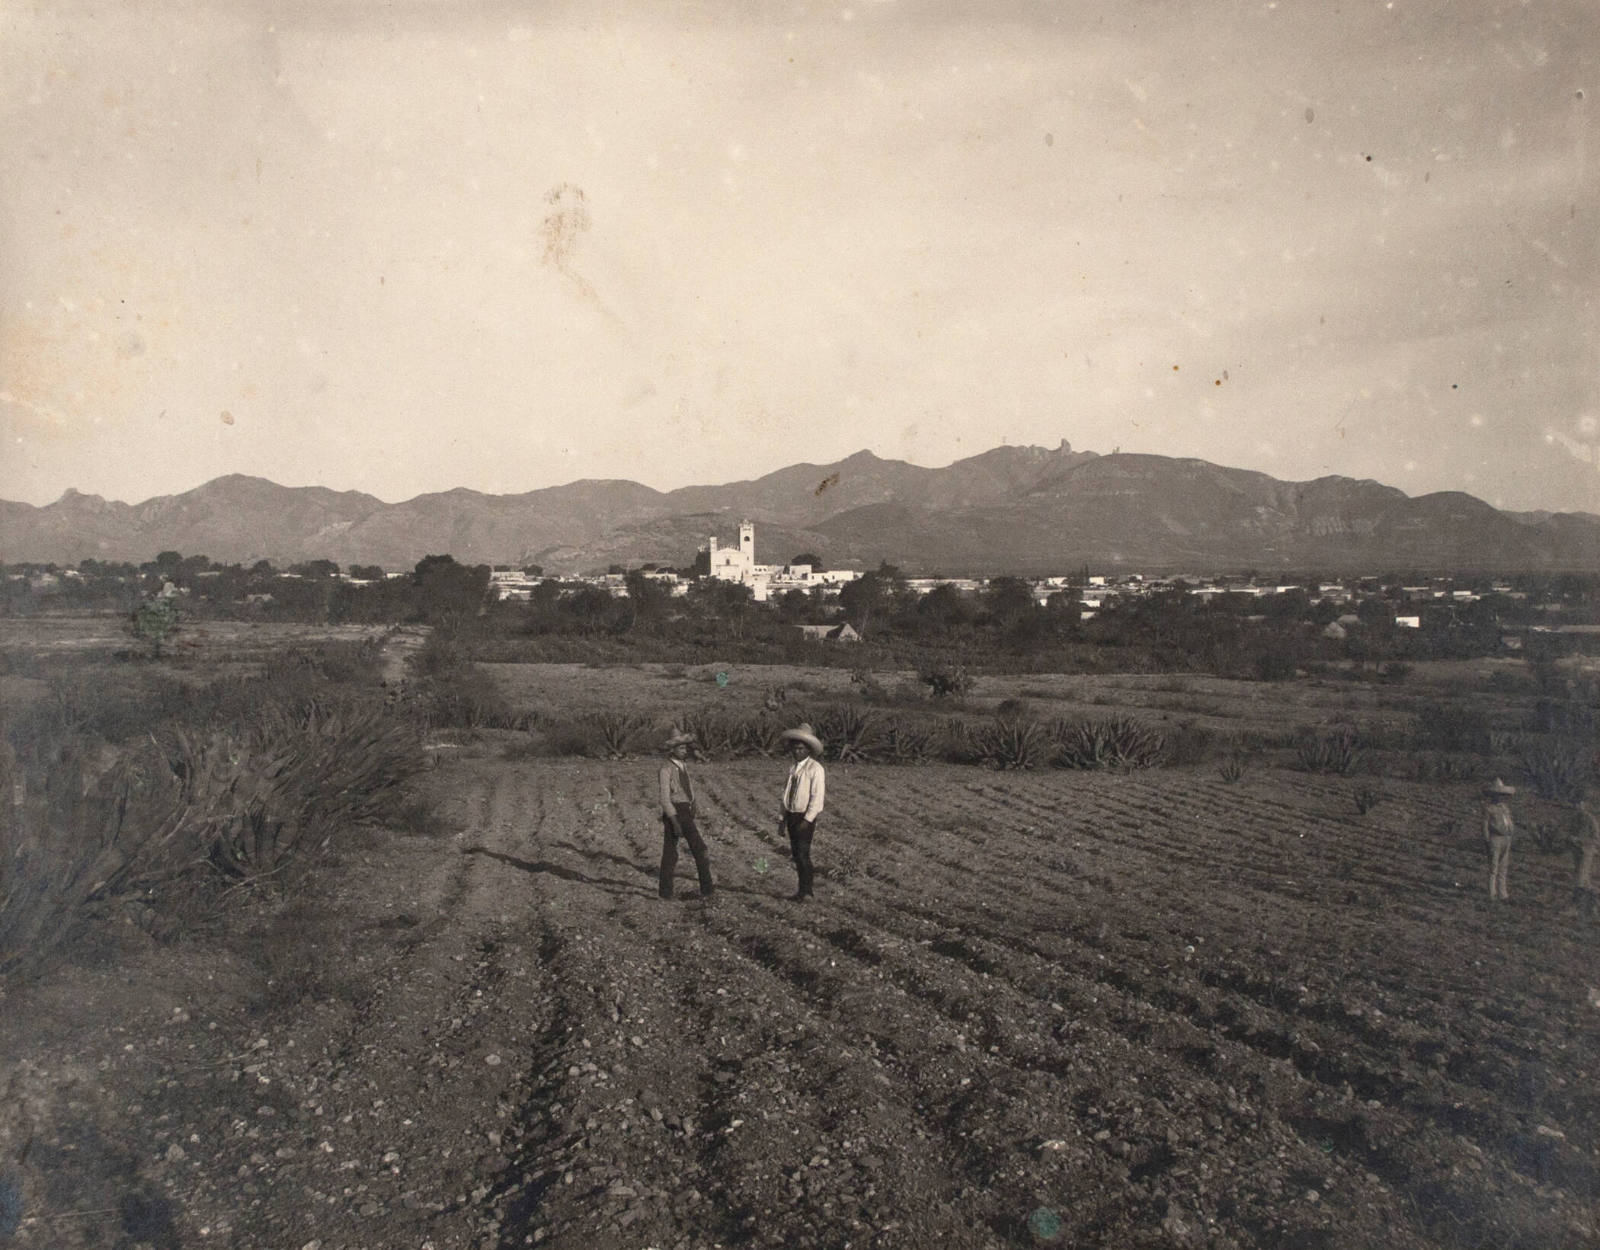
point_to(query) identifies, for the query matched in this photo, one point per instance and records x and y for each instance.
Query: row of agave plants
(175, 821)
(861, 735)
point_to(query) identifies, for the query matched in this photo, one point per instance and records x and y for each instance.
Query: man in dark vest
(677, 815)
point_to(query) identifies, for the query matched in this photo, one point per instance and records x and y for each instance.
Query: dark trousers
(800, 831)
(697, 848)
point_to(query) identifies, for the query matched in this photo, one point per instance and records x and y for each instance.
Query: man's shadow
(610, 884)
(622, 861)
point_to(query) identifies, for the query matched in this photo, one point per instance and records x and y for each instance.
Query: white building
(738, 564)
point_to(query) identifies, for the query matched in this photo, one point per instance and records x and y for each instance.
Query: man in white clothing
(802, 802)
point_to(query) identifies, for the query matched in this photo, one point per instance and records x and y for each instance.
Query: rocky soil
(1055, 1009)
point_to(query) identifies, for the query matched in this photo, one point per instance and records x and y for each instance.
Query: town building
(738, 564)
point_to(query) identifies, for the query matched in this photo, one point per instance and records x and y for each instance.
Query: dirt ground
(1054, 1008)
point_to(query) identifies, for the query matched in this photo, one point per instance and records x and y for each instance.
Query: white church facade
(738, 564)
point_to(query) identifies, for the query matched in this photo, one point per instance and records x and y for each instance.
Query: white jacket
(805, 788)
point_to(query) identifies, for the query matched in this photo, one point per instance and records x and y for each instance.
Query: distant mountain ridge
(1010, 509)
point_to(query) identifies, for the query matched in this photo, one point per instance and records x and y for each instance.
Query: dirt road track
(1048, 1009)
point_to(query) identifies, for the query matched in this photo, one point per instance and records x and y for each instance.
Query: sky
(406, 247)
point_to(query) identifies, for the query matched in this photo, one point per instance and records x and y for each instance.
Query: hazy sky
(402, 247)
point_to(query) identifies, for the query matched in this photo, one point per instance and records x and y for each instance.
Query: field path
(1035, 1009)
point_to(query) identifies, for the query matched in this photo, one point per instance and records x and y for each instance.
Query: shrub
(946, 680)
(1012, 709)
(762, 736)
(566, 737)
(717, 733)
(1232, 768)
(953, 742)
(1120, 742)
(1394, 673)
(1011, 742)
(1367, 798)
(91, 828)
(614, 733)
(1335, 753)
(906, 744)
(848, 733)
(1558, 768)
(260, 795)
(867, 683)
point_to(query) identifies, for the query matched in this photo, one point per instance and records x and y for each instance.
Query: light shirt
(1497, 821)
(675, 786)
(804, 791)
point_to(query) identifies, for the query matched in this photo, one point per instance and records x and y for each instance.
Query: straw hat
(678, 739)
(803, 733)
(1499, 788)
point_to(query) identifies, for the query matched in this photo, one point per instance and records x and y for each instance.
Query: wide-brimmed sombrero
(803, 733)
(1499, 787)
(678, 739)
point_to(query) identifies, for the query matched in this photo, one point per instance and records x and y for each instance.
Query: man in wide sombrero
(1498, 830)
(802, 802)
(677, 815)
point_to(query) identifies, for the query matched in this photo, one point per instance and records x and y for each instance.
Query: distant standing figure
(677, 815)
(802, 802)
(1585, 848)
(1498, 828)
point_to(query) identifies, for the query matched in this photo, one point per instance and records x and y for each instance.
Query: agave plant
(1119, 742)
(1333, 754)
(614, 733)
(850, 733)
(717, 733)
(906, 744)
(1011, 742)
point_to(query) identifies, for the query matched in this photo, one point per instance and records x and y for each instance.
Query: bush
(615, 733)
(1558, 768)
(246, 781)
(906, 744)
(762, 736)
(848, 733)
(717, 733)
(867, 683)
(946, 680)
(1011, 742)
(1120, 742)
(1335, 753)
(260, 795)
(1394, 673)
(1367, 798)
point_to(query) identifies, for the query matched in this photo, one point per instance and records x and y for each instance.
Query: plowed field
(1053, 1008)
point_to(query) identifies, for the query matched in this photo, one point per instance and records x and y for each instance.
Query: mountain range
(1011, 509)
